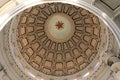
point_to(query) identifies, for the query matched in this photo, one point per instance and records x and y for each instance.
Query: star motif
(59, 25)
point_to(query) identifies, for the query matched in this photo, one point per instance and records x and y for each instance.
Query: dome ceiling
(58, 39)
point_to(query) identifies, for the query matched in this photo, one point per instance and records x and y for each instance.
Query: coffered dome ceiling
(62, 40)
(58, 39)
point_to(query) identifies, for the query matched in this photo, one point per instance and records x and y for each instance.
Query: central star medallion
(59, 25)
